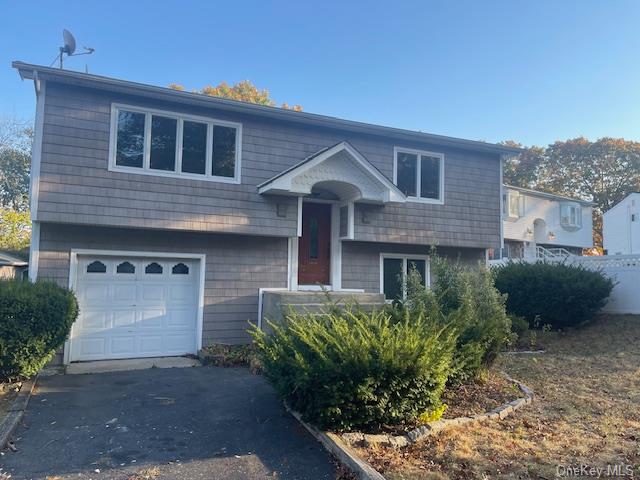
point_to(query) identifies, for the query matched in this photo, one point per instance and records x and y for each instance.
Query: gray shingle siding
(361, 261)
(76, 186)
(237, 266)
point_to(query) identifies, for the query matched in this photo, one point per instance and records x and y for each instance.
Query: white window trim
(350, 220)
(73, 279)
(404, 257)
(181, 118)
(519, 205)
(418, 198)
(578, 211)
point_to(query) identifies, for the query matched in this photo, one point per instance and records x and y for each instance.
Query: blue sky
(532, 71)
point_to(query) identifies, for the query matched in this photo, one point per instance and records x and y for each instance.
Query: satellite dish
(70, 47)
(69, 42)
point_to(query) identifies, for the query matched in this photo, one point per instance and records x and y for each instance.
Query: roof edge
(539, 193)
(29, 71)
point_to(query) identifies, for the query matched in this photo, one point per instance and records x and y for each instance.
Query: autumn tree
(15, 160)
(244, 91)
(604, 171)
(522, 170)
(15, 229)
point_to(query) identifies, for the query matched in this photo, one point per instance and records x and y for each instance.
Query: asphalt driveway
(176, 423)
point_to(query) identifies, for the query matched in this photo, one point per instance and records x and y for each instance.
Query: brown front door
(314, 249)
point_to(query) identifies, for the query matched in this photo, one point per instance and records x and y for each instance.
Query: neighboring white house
(621, 228)
(538, 224)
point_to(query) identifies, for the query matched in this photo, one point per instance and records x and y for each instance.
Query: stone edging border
(503, 411)
(16, 411)
(343, 452)
(525, 352)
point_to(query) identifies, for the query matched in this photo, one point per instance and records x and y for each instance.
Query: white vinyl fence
(625, 270)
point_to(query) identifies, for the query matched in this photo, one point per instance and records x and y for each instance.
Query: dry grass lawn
(586, 412)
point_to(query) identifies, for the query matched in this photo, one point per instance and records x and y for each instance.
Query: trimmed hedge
(351, 369)
(35, 320)
(556, 294)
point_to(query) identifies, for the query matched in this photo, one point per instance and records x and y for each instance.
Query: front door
(314, 251)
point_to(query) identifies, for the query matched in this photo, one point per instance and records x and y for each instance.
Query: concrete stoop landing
(276, 303)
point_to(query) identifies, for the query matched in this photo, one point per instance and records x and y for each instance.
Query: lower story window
(395, 270)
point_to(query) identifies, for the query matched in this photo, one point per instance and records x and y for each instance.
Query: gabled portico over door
(327, 184)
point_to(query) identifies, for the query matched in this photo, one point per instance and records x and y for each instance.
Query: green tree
(244, 91)
(15, 229)
(15, 160)
(606, 170)
(522, 170)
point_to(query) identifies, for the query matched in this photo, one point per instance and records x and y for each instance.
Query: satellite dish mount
(69, 47)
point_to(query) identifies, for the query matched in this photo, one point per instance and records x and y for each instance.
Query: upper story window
(163, 143)
(512, 204)
(570, 215)
(419, 175)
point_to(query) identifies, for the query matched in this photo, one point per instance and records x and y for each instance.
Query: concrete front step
(303, 297)
(323, 307)
(276, 304)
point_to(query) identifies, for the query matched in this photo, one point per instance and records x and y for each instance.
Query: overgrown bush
(558, 294)
(464, 298)
(35, 319)
(354, 369)
(519, 325)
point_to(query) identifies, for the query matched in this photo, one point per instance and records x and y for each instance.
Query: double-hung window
(154, 142)
(571, 215)
(419, 174)
(512, 205)
(394, 270)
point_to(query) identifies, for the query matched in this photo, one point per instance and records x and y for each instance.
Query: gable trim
(282, 181)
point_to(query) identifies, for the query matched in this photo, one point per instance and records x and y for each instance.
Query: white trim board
(34, 251)
(283, 182)
(417, 198)
(404, 257)
(180, 119)
(36, 153)
(73, 278)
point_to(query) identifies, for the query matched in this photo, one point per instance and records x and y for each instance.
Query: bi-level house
(541, 225)
(173, 215)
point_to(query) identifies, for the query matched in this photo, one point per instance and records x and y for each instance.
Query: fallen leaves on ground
(586, 412)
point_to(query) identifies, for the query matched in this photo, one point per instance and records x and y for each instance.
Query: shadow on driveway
(213, 423)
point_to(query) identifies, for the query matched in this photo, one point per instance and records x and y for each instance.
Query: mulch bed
(481, 396)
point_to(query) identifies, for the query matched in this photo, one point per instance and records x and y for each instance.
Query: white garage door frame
(73, 278)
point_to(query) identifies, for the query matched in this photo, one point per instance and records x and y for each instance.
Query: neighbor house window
(170, 144)
(512, 204)
(394, 270)
(419, 175)
(571, 215)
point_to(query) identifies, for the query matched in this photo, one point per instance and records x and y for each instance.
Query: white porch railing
(555, 253)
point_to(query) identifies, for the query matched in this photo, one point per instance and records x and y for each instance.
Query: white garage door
(134, 307)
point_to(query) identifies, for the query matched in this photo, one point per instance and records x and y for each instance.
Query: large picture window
(164, 143)
(394, 270)
(419, 174)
